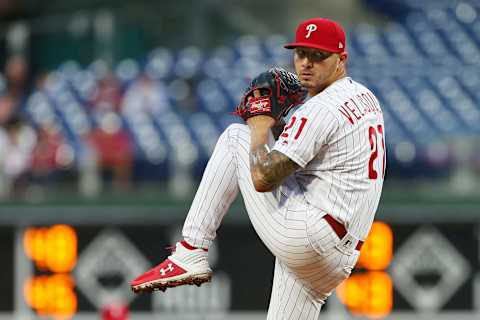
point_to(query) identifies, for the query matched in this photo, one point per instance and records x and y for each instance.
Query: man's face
(317, 69)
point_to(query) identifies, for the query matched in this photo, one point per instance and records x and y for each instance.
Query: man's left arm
(268, 168)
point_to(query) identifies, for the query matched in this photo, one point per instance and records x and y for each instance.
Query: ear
(342, 60)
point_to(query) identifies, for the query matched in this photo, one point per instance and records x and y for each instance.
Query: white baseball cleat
(186, 265)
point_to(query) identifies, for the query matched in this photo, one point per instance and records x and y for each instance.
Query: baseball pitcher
(311, 194)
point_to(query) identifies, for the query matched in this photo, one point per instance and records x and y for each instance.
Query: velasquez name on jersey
(359, 106)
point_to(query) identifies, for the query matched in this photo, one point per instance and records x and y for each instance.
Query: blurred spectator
(146, 95)
(17, 82)
(46, 158)
(114, 151)
(16, 72)
(7, 108)
(17, 141)
(108, 95)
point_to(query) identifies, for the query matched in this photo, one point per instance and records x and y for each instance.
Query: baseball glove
(280, 91)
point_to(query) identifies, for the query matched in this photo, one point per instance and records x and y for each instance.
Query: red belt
(340, 229)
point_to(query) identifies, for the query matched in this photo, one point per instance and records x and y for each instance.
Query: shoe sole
(162, 285)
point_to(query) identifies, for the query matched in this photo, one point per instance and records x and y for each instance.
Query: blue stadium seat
(218, 64)
(401, 44)
(394, 133)
(40, 109)
(211, 96)
(205, 131)
(235, 87)
(145, 135)
(68, 107)
(179, 137)
(127, 70)
(371, 44)
(459, 101)
(441, 119)
(470, 80)
(160, 64)
(250, 47)
(429, 40)
(402, 109)
(189, 62)
(454, 34)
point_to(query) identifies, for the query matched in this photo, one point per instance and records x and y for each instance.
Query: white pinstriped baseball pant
(308, 265)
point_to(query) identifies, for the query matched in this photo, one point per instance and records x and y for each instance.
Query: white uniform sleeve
(307, 131)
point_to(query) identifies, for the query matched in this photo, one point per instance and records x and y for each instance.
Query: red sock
(189, 247)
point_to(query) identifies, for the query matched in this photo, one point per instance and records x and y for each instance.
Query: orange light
(368, 294)
(377, 251)
(62, 248)
(51, 295)
(53, 248)
(34, 245)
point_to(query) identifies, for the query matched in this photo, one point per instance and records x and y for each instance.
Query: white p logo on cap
(310, 28)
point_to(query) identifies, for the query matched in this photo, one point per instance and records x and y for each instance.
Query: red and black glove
(280, 91)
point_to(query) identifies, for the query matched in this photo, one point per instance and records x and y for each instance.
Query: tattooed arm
(268, 168)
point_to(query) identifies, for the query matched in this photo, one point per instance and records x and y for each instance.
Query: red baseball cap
(319, 33)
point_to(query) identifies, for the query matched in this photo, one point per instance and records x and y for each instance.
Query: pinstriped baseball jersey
(338, 139)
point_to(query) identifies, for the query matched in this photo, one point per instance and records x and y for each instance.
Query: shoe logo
(164, 271)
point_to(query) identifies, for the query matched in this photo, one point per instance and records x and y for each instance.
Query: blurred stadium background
(109, 111)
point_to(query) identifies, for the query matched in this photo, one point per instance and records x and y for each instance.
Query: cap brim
(293, 45)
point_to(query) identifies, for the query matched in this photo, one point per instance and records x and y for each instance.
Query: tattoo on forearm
(270, 168)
